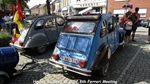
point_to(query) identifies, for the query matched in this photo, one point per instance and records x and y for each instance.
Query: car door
(51, 29)
(36, 35)
(116, 33)
(111, 34)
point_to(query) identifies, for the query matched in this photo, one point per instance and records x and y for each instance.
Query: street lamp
(126, 6)
(48, 6)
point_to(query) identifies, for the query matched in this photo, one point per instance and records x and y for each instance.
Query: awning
(64, 9)
(85, 10)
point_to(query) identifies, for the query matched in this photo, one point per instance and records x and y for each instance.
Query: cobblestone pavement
(130, 65)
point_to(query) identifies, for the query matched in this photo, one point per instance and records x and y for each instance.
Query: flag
(15, 36)
(18, 15)
(19, 9)
(17, 19)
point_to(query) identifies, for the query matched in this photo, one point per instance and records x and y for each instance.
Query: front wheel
(103, 71)
(41, 49)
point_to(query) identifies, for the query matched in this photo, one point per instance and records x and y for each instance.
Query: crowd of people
(130, 23)
(5, 22)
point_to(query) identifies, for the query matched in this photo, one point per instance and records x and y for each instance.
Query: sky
(32, 3)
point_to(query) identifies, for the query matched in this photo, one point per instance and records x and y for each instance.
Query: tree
(23, 2)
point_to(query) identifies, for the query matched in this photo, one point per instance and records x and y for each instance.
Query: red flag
(19, 9)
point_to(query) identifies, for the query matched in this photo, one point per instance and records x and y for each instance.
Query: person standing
(135, 19)
(3, 25)
(128, 29)
(148, 25)
(6, 18)
(125, 18)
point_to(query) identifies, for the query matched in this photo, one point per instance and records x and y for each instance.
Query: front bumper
(70, 68)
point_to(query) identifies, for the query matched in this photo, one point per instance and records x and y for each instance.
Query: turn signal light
(55, 56)
(82, 63)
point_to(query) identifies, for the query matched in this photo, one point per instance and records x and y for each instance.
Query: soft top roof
(34, 17)
(85, 17)
(40, 16)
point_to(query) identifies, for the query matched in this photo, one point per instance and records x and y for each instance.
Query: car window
(110, 25)
(50, 23)
(27, 23)
(60, 21)
(103, 29)
(114, 23)
(39, 24)
(80, 27)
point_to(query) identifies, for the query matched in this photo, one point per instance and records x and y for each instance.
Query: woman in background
(128, 29)
(3, 25)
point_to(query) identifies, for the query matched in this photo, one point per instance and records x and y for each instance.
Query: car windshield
(80, 27)
(27, 23)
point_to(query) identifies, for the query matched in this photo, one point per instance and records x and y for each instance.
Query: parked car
(38, 32)
(9, 58)
(144, 23)
(87, 43)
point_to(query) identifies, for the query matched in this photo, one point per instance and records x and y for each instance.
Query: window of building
(121, 12)
(142, 12)
(120, 0)
(78, 0)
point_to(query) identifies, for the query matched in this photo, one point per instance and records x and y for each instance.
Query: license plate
(73, 60)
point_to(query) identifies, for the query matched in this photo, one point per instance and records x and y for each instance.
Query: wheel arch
(3, 73)
(99, 55)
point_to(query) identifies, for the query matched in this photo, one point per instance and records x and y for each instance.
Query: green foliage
(4, 39)
(23, 2)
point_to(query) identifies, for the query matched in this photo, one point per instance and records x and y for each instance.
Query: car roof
(40, 16)
(94, 17)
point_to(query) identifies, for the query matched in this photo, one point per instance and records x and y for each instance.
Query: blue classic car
(87, 43)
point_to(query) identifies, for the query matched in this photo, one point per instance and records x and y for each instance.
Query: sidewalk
(135, 69)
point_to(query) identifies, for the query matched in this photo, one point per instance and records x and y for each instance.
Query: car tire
(103, 71)
(41, 49)
(4, 79)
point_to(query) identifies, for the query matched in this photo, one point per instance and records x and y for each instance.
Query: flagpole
(126, 6)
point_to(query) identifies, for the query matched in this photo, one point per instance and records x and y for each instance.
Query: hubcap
(41, 49)
(105, 68)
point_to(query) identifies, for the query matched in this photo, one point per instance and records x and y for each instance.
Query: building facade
(116, 7)
(97, 5)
